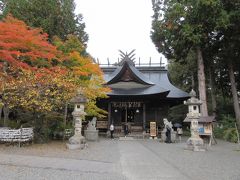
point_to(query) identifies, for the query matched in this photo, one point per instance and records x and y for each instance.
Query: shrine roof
(153, 76)
(137, 76)
(127, 79)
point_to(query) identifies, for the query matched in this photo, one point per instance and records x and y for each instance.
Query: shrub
(218, 132)
(226, 129)
(186, 132)
(13, 124)
(177, 113)
(230, 134)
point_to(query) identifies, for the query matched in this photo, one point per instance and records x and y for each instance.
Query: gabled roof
(127, 72)
(127, 80)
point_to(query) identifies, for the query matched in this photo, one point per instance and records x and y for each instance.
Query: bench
(21, 135)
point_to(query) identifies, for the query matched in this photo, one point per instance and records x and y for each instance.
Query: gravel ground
(120, 160)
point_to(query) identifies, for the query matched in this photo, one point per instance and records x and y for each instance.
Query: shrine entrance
(128, 113)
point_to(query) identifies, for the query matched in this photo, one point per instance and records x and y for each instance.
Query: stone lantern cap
(193, 100)
(78, 99)
(192, 93)
(208, 119)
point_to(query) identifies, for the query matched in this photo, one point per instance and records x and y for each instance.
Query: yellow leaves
(83, 65)
(82, 73)
(41, 94)
(46, 90)
(93, 110)
(79, 72)
(76, 56)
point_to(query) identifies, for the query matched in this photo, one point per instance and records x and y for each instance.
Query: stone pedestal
(163, 136)
(195, 143)
(76, 142)
(173, 136)
(91, 135)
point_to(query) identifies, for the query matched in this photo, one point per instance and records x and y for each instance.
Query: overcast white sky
(114, 25)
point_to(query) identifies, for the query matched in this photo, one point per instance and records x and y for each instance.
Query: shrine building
(140, 94)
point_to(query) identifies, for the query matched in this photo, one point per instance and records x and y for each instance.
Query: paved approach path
(120, 160)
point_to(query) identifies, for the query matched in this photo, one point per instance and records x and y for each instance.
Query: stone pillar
(77, 116)
(77, 141)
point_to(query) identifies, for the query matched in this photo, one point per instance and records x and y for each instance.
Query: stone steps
(127, 138)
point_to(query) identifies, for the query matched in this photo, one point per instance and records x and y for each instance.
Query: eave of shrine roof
(136, 89)
(161, 79)
(127, 85)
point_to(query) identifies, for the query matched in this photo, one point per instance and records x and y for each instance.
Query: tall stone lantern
(77, 141)
(194, 143)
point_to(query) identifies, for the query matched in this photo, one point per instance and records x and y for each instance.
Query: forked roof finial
(129, 57)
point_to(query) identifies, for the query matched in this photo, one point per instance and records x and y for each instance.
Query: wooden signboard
(205, 129)
(153, 129)
(208, 128)
(102, 124)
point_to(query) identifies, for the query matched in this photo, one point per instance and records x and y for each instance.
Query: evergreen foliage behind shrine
(190, 31)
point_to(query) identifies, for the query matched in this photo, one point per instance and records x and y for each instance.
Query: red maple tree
(21, 44)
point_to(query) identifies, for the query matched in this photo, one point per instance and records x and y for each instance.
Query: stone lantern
(194, 143)
(77, 141)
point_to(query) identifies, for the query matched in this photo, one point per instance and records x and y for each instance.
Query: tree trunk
(1, 109)
(6, 114)
(65, 115)
(213, 91)
(221, 85)
(234, 93)
(201, 83)
(4, 108)
(2, 105)
(193, 81)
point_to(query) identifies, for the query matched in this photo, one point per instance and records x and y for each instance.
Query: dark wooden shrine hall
(140, 94)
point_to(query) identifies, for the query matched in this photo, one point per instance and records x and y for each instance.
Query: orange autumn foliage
(31, 81)
(87, 75)
(27, 77)
(19, 42)
(85, 66)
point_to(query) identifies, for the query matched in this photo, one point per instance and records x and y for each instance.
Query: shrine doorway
(128, 115)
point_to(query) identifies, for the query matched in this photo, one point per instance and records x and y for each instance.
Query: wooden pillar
(156, 119)
(109, 113)
(126, 116)
(144, 117)
(156, 114)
